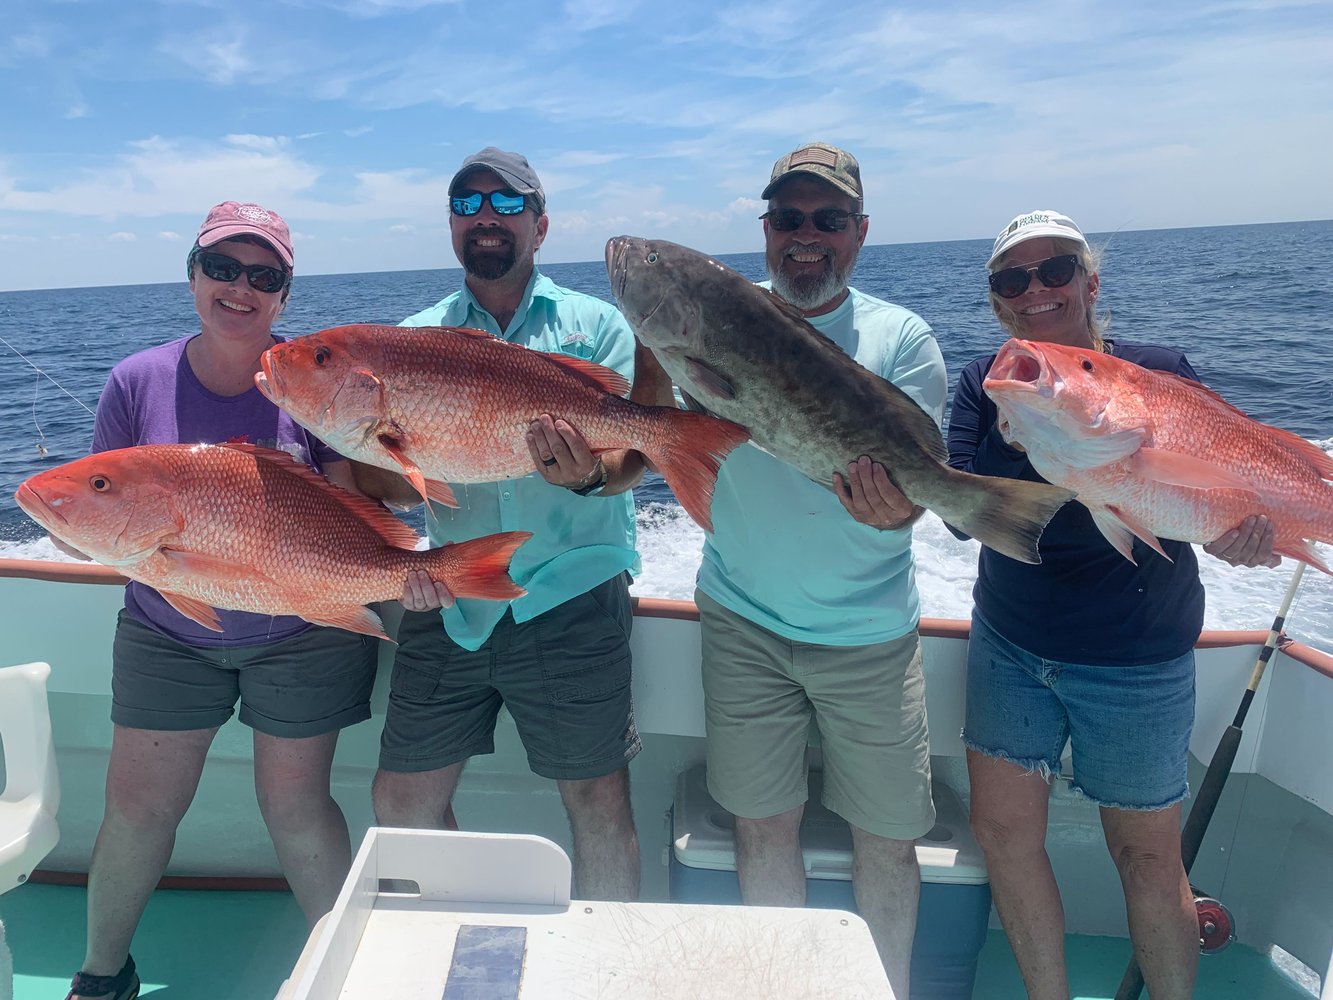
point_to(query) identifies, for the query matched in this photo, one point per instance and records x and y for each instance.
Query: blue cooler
(955, 891)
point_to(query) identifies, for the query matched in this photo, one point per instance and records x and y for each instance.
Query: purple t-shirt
(153, 397)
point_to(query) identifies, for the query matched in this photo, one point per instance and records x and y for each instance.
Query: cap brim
(221, 233)
(827, 176)
(1035, 232)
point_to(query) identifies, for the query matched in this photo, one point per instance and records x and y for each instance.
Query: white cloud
(122, 237)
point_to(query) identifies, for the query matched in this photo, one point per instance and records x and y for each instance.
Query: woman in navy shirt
(1086, 648)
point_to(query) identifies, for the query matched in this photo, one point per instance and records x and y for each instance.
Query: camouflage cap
(818, 159)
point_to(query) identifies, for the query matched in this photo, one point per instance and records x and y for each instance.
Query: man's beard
(489, 265)
(810, 291)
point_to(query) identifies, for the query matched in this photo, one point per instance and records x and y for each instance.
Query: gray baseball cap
(511, 168)
(818, 159)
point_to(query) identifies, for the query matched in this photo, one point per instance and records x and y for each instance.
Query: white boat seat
(28, 804)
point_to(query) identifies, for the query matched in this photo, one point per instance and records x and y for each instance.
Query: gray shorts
(313, 683)
(564, 676)
(761, 691)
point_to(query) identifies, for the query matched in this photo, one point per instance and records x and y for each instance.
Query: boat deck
(241, 945)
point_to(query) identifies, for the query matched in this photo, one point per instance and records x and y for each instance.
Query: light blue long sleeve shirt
(577, 542)
(783, 552)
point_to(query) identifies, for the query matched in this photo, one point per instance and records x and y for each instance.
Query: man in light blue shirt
(807, 598)
(559, 656)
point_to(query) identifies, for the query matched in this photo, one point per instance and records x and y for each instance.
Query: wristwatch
(595, 485)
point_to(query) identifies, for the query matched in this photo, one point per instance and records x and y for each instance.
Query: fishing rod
(1219, 768)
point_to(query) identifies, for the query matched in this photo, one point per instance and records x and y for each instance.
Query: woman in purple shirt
(174, 682)
(1086, 648)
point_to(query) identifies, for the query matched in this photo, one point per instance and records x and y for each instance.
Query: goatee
(488, 265)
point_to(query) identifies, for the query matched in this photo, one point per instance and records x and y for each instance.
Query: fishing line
(41, 446)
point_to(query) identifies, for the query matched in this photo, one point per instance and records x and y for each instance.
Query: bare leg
(1009, 811)
(308, 828)
(151, 779)
(1162, 922)
(418, 800)
(768, 859)
(887, 881)
(606, 848)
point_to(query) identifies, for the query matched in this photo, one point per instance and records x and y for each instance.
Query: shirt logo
(577, 337)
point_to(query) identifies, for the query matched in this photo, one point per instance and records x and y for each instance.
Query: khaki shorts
(761, 692)
(312, 683)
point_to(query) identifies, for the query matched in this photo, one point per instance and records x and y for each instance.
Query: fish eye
(322, 354)
(652, 257)
(1087, 365)
(100, 484)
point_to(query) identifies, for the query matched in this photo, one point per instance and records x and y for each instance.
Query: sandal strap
(124, 985)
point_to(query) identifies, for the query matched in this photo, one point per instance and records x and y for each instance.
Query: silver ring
(549, 461)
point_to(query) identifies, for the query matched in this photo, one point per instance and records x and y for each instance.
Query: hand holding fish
(1248, 544)
(869, 496)
(560, 453)
(421, 593)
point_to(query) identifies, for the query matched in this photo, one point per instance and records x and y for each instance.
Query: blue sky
(123, 121)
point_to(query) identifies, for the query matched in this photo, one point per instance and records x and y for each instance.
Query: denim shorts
(1128, 727)
(309, 684)
(564, 676)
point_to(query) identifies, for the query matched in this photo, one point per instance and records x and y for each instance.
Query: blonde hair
(1088, 258)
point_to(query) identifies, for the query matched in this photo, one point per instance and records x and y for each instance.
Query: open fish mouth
(1018, 367)
(266, 381)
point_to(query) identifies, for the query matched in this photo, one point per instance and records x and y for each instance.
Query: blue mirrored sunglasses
(502, 202)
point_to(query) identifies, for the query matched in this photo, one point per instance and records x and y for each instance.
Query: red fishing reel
(1217, 927)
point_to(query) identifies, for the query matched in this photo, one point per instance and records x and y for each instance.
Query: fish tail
(691, 447)
(1009, 515)
(478, 567)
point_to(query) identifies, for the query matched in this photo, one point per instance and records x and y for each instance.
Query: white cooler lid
(702, 835)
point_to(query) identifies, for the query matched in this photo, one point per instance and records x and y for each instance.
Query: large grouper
(742, 353)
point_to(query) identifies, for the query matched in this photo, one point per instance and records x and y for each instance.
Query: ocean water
(1248, 304)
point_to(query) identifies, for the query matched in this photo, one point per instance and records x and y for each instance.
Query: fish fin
(1303, 550)
(1139, 531)
(605, 378)
(195, 610)
(688, 453)
(1007, 515)
(691, 403)
(441, 493)
(1175, 469)
(353, 619)
(1115, 532)
(393, 531)
(708, 380)
(431, 489)
(479, 567)
(1095, 450)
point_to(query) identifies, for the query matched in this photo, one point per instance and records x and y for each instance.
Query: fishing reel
(1217, 927)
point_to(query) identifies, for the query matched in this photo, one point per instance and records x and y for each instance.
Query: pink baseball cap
(234, 218)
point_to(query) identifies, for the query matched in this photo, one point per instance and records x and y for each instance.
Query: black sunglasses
(262, 278)
(504, 202)
(1054, 272)
(826, 220)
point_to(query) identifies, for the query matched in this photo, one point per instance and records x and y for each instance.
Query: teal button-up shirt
(577, 542)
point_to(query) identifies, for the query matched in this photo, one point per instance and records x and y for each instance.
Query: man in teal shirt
(559, 656)
(807, 598)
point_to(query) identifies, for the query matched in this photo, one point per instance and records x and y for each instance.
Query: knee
(1148, 866)
(143, 805)
(784, 828)
(604, 798)
(1001, 837)
(291, 803)
(400, 801)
